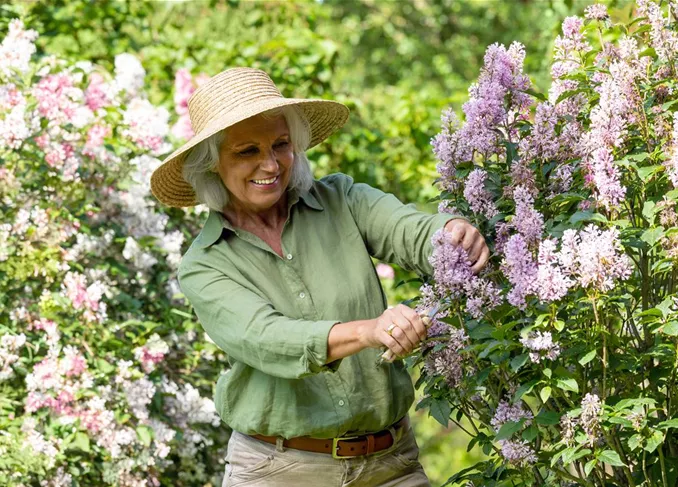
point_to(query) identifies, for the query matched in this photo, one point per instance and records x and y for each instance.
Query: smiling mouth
(265, 182)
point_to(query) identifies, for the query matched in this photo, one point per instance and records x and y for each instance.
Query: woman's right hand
(408, 332)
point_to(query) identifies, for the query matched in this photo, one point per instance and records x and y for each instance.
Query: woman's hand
(409, 330)
(463, 233)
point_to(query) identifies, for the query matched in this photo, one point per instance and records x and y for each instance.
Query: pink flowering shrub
(102, 380)
(560, 358)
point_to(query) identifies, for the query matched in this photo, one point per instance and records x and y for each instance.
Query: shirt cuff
(316, 350)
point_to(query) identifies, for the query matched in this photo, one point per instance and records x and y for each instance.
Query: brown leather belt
(345, 446)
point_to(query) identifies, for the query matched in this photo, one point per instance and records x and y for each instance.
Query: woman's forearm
(347, 338)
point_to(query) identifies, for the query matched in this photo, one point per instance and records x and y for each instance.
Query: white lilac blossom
(662, 38)
(594, 257)
(151, 353)
(478, 196)
(9, 353)
(541, 346)
(597, 11)
(568, 426)
(552, 283)
(570, 49)
(589, 419)
(561, 180)
(147, 126)
(16, 49)
(520, 269)
(139, 258)
(129, 74)
(671, 163)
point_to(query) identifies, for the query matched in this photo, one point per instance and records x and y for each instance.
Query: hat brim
(167, 181)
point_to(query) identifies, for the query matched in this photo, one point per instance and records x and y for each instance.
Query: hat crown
(229, 90)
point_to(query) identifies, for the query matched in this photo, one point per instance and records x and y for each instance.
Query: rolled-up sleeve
(394, 232)
(247, 327)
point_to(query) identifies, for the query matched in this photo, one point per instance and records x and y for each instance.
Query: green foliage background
(396, 64)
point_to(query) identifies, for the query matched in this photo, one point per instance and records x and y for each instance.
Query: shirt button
(289, 256)
(302, 295)
(341, 402)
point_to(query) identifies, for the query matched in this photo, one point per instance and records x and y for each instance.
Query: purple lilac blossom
(590, 416)
(597, 11)
(541, 346)
(517, 452)
(506, 412)
(606, 175)
(479, 198)
(520, 269)
(527, 221)
(542, 143)
(662, 39)
(449, 362)
(671, 163)
(561, 180)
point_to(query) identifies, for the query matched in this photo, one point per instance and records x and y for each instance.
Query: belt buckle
(335, 447)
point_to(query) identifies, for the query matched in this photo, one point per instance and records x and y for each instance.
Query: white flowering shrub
(560, 358)
(103, 381)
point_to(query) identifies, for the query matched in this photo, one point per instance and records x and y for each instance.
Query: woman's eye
(282, 144)
(248, 152)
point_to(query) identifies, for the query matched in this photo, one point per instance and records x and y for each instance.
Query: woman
(281, 279)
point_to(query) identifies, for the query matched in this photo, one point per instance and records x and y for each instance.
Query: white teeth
(265, 181)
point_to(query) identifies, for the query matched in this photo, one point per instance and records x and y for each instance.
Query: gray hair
(201, 160)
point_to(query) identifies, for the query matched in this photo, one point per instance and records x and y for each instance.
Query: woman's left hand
(463, 233)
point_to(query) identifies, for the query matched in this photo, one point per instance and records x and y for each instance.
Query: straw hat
(226, 99)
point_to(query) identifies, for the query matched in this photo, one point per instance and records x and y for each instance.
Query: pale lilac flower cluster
(663, 39)
(589, 419)
(447, 206)
(568, 54)
(541, 346)
(485, 110)
(552, 283)
(606, 177)
(506, 412)
(453, 276)
(542, 143)
(151, 353)
(568, 428)
(527, 221)
(520, 269)
(561, 180)
(129, 74)
(49, 447)
(478, 196)
(671, 163)
(140, 259)
(594, 257)
(449, 362)
(597, 11)
(517, 452)
(16, 49)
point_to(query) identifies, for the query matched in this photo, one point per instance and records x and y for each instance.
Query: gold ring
(390, 328)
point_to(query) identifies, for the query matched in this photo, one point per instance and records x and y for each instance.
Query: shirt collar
(216, 222)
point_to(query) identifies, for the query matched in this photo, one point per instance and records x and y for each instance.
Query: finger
(476, 250)
(416, 322)
(469, 239)
(392, 344)
(457, 234)
(482, 260)
(403, 338)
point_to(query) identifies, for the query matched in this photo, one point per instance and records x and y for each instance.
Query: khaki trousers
(255, 463)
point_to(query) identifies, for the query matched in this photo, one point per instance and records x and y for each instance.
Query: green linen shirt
(272, 315)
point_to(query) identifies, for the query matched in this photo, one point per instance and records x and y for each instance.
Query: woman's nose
(270, 162)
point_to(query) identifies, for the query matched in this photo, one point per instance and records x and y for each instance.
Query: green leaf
(524, 389)
(585, 216)
(568, 385)
(530, 433)
(559, 325)
(508, 429)
(665, 306)
(652, 235)
(81, 441)
(654, 441)
(574, 454)
(545, 393)
(635, 441)
(547, 418)
(440, 410)
(586, 358)
(589, 466)
(649, 210)
(671, 328)
(671, 423)
(645, 173)
(639, 401)
(145, 435)
(611, 457)
(519, 361)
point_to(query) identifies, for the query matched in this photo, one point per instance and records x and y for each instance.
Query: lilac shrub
(559, 359)
(103, 379)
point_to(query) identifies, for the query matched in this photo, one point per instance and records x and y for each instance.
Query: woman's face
(255, 162)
